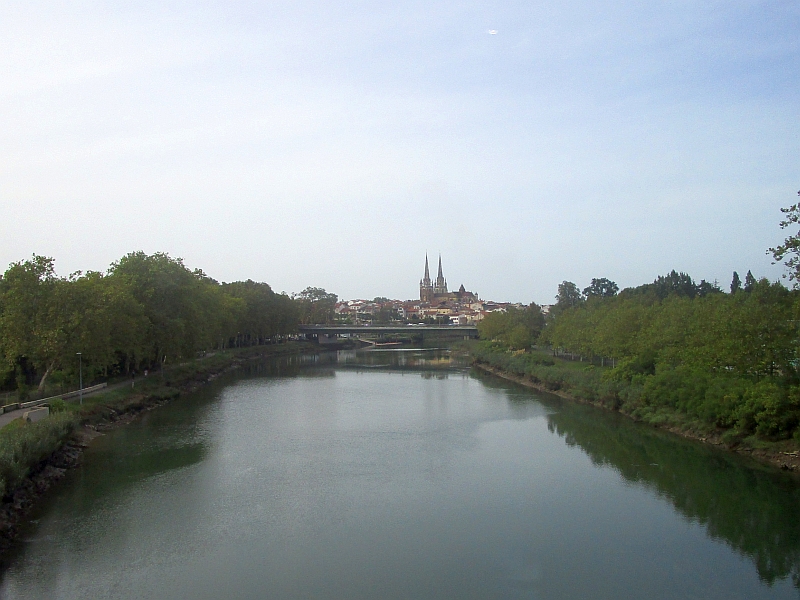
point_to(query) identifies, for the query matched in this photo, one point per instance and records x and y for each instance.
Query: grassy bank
(25, 448)
(676, 401)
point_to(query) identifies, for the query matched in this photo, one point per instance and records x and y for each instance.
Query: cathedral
(427, 289)
(436, 291)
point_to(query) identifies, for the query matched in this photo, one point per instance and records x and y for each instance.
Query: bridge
(415, 330)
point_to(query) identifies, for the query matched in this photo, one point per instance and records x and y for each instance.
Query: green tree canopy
(789, 251)
(146, 307)
(601, 288)
(517, 328)
(749, 282)
(316, 305)
(568, 295)
(736, 283)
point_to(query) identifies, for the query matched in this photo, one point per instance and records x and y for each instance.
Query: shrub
(769, 410)
(722, 400)
(669, 387)
(25, 445)
(629, 368)
(57, 406)
(718, 398)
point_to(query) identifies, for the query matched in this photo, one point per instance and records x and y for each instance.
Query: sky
(334, 144)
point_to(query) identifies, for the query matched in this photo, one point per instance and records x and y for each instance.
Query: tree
(736, 283)
(568, 295)
(763, 338)
(517, 328)
(183, 311)
(519, 338)
(145, 308)
(533, 319)
(791, 245)
(679, 284)
(749, 282)
(601, 288)
(704, 288)
(494, 325)
(385, 314)
(316, 305)
(27, 297)
(47, 319)
(258, 317)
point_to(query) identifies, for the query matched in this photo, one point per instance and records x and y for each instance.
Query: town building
(436, 304)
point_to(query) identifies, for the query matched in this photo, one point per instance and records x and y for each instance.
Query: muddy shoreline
(18, 504)
(781, 460)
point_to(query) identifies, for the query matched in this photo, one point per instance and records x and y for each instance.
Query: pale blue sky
(334, 143)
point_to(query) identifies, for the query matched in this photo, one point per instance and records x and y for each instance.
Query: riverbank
(35, 456)
(783, 455)
(255, 478)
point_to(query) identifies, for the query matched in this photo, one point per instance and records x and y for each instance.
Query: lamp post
(80, 375)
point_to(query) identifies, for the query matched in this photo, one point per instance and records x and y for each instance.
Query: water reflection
(403, 474)
(435, 363)
(430, 362)
(753, 508)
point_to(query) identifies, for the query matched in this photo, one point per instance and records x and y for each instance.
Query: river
(403, 474)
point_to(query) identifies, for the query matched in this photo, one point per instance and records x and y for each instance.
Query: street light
(80, 371)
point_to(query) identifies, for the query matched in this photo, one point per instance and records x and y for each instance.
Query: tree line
(728, 358)
(145, 310)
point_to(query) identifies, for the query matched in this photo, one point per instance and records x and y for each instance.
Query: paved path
(6, 418)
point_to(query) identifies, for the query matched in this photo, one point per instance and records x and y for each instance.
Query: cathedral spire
(440, 286)
(425, 286)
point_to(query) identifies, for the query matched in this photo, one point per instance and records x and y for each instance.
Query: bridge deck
(412, 329)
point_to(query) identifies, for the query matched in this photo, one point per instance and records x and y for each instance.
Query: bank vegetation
(678, 353)
(146, 313)
(143, 312)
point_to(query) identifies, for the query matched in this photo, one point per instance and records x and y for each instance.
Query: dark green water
(403, 475)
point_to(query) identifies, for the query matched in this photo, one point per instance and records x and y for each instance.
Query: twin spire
(427, 288)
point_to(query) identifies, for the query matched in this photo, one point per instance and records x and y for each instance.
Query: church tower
(425, 285)
(440, 287)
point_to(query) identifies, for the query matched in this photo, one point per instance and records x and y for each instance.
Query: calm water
(403, 475)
